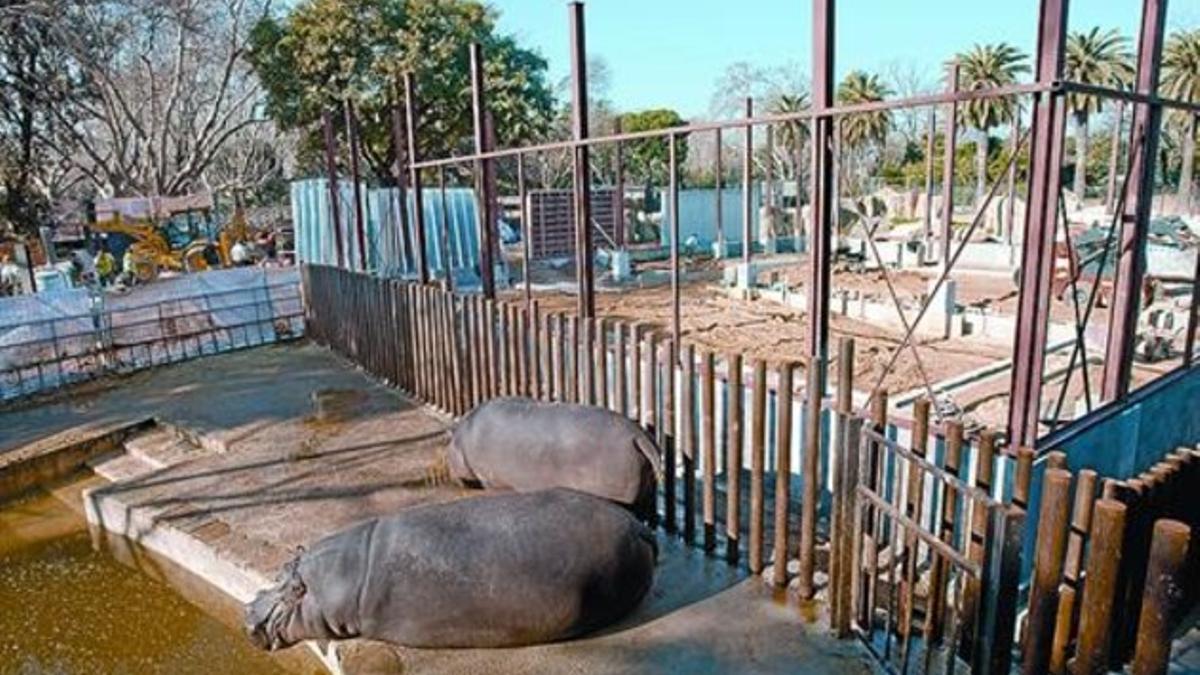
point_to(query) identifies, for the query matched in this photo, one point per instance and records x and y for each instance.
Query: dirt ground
(773, 332)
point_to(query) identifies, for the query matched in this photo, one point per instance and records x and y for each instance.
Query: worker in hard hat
(106, 265)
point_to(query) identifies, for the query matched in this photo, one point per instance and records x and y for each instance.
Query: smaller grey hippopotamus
(523, 444)
(492, 571)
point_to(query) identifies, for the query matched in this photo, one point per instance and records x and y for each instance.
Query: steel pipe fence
(727, 427)
(113, 339)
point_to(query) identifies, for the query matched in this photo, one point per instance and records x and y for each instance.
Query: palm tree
(790, 136)
(987, 67)
(1099, 58)
(860, 130)
(1181, 80)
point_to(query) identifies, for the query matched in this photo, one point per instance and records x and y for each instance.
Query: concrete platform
(245, 471)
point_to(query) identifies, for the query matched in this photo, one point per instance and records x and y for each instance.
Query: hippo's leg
(646, 503)
(459, 470)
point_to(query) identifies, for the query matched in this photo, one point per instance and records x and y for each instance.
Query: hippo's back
(526, 445)
(501, 570)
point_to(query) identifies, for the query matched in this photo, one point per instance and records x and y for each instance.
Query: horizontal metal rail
(142, 322)
(915, 528)
(966, 489)
(779, 118)
(134, 308)
(126, 346)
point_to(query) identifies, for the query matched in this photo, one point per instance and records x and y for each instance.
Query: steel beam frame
(951, 146)
(820, 258)
(1041, 216)
(414, 179)
(747, 185)
(398, 141)
(581, 174)
(356, 180)
(484, 189)
(335, 208)
(1135, 216)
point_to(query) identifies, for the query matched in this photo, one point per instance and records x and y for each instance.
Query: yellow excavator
(157, 247)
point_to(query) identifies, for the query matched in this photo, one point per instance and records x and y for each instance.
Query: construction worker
(106, 265)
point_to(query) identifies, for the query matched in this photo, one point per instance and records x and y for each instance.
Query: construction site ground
(262, 470)
(713, 318)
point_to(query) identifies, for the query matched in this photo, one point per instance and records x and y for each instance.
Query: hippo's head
(272, 613)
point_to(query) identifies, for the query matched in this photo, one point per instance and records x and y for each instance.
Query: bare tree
(167, 88)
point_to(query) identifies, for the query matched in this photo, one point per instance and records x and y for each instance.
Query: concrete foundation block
(621, 265)
(745, 275)
(942, 307)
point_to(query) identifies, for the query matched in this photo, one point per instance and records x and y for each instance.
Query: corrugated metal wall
(314, 230)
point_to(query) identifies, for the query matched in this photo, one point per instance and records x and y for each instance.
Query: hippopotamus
(522, 444)
(500, 570)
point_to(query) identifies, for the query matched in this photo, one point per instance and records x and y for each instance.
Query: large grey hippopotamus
(501, 570)
(522, 444)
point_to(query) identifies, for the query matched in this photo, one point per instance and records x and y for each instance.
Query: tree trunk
(981, 162)
(1186, 170)
(1081, 155)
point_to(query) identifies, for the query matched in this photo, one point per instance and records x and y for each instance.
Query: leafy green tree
(1181, 80)
(1099, 58)
(648, 157)
(326, 51)
(988, 66)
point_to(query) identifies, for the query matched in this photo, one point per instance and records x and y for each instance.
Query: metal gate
(935, 559)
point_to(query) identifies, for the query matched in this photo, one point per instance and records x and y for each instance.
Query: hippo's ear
(291, 585)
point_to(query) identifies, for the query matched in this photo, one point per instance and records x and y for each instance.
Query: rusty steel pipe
(810, 482)
(1048, 560)
(951, 145)
(414, 179)
(747, 182)
(1096, 605)
(335, 207)
(581, 179)
(1163, 597)
(783, 472)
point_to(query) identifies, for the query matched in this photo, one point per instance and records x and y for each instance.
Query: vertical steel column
(673, 196)
(352, 135)
(582, 175)
(768, 177)
(823, 186)
(1135, 220)
(1041, 215)
(483, 197)
(1010, 208)
(930, 146)
(444, 231)
(398, 140)
(619, 187)
(526, 235)
(747, 183)
(335, 207)
(950, 143)
(719, 170)
(414, 175)
(1110, 193)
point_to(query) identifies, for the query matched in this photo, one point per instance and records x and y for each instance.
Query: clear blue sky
(669, 53)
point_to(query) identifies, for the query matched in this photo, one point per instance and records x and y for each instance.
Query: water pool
(68, 606)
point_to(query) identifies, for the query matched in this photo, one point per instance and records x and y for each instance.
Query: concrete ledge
(61, 455)
(105, 511)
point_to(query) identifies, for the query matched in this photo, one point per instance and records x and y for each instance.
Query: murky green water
(68, 608)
